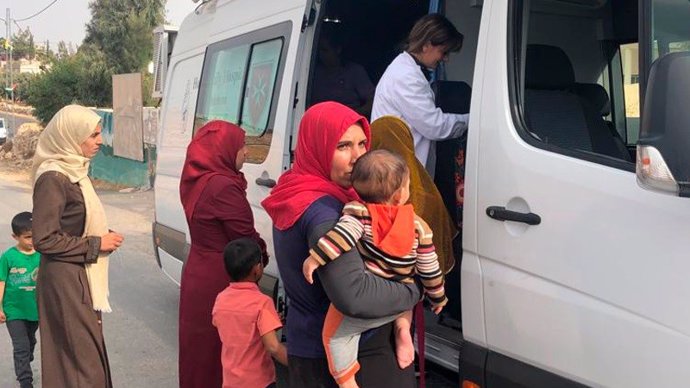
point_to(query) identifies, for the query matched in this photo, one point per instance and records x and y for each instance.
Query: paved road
(141, 333)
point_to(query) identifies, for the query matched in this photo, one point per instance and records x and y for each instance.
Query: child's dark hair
(21, 223)
(378, 174)
(240, 257)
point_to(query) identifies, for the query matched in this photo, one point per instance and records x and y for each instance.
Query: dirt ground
(9, 171)
(20, 173)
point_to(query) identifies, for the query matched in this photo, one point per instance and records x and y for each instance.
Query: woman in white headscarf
(71, 233)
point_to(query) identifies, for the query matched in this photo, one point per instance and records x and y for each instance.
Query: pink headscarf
(309, 179)
(213, 151)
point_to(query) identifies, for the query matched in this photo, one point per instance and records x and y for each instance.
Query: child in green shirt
(18, 271)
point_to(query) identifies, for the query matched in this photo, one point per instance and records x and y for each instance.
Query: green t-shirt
(19, 270)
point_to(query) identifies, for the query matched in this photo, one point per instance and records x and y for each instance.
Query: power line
(37, 13)
(18, 26)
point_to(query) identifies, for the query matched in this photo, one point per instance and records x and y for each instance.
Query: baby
(395, 244)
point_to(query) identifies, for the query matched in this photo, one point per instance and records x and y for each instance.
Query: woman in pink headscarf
(213, 193)
(304, 205)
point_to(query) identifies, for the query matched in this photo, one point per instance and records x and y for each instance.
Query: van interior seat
(596, 95)
(555, 113)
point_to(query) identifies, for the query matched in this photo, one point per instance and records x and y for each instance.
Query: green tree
(23, 45)
(23, 82)
(122, 30)
(119, 40)
(55, 88)
(95, 77)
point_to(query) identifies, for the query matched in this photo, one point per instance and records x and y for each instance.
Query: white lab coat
(404, 92)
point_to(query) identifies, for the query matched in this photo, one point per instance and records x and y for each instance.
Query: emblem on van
(259, 85)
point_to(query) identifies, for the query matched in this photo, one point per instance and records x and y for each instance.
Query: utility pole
(7, 49)
(8, 23)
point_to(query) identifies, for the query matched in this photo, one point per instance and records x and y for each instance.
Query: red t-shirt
(243, 315)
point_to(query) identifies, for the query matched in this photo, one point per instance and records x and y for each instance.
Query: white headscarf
(59, 149)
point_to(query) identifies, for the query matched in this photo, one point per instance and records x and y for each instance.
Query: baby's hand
(310, 265)
(437, 309)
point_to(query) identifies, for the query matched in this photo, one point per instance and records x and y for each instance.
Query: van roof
(213, 19)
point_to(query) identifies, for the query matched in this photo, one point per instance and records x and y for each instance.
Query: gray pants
(341, 341)
(23, 335)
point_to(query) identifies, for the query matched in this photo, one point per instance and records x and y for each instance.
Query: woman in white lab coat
(404, 90)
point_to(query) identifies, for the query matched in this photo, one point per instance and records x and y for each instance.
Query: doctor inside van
(404, 90)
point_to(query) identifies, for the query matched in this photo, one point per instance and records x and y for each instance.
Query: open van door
(233, 61)
(573, 274)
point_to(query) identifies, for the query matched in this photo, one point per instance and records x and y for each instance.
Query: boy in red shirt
(247, 321)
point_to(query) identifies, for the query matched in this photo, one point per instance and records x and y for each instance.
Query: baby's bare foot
(404, 348)
(351, 383)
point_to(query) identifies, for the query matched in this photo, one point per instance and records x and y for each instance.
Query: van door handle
(502, 214)
(268, 182)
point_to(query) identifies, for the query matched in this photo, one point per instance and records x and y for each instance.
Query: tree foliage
(54, 89)
(122, 30)
(118, 40)
(23, 45)
(23, 82)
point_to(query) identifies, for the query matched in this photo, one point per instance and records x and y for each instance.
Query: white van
(575, 266)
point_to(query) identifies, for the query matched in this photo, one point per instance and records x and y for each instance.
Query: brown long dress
(73, 351)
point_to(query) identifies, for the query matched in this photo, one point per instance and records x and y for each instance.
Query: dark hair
(333, 34)
(433, 28)
(378, 174)
(240, 257)
(21, 223)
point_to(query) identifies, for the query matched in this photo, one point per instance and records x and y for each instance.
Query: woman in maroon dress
(213, 193)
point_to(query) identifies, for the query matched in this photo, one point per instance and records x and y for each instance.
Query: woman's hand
(437, 309)
(310, 265)
(111, 241)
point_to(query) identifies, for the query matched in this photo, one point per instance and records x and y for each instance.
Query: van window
(260, 81)
(563, 104)
(238, 85)
(222, 91)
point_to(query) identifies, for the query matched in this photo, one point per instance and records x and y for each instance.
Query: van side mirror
(663, 151)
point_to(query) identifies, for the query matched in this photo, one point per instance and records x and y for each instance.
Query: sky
(66, 19)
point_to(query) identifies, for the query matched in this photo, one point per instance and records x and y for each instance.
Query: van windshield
(669, 30)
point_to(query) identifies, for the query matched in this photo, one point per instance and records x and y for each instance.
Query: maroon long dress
(214, 198)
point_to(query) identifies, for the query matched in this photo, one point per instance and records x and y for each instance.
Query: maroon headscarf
(212, 151)
(310, 177)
